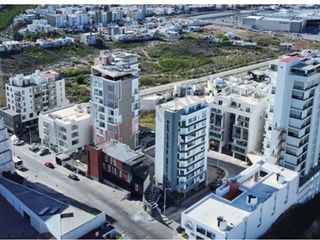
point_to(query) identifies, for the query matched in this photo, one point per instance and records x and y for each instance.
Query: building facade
(292, 127)
(115, 102)
(245, 206)
(67, 129)
(116, 162)
(6, 156)
(182, 143)
(237, 116)
(29, 95)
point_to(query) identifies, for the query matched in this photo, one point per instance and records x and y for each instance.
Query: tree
(100, 43)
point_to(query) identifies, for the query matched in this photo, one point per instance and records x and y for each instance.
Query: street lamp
(165, 199)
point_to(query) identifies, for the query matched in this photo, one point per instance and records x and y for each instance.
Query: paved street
(170, 86)
(131, 219)
(230, 168)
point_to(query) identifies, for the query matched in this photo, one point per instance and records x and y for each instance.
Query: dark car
(34, 148)
(43, 151)
(180, 229)
(49, 165)
(73, 177)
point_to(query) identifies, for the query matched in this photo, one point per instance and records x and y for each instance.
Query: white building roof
(69, 114)
(234, 208)
(181, 103)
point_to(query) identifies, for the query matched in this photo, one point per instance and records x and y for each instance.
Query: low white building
(89, 38)
(48, 215)
(244, 207)
(149, 103)
(6, 157)
(66, 129)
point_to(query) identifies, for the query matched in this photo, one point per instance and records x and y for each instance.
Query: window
(201, 230)
(31, 115)
(211, 235)
(273, 90)
(74, 142)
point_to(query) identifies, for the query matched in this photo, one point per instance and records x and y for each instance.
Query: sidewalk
(226, 158)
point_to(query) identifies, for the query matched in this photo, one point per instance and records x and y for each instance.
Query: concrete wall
(20, 207)
(86, 227)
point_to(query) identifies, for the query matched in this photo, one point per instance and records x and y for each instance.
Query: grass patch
(51, 55)
(9, 12)
(127, 45)
(194, 57)
(147, 119)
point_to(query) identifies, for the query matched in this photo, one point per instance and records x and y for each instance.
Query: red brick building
(116, 162)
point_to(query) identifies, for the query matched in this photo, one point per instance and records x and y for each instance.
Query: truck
(18, 163)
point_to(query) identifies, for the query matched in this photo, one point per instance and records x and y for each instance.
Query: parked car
(34, 148)
(73, 177)
(180, 229)
(43, 151)
(18, 142)
(49, 165)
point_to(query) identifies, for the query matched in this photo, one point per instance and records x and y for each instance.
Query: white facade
(182, 143)
(6, 157)
(292, 125)
(237, 119)
(88, 38)
(115, 101)
(29, 95)
(149, 103)
(245, 206)
(38, 26)
(67, 129)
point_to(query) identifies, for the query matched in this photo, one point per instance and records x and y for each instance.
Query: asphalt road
(130, 218)
(232, 169)
(170, 86)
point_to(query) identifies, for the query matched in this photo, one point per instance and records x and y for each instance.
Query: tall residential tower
(115, 101)
(292, 125)
(182, 127)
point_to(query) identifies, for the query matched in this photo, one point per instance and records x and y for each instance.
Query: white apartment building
(29, 95)
(89, 38)
(237, 119)
(245, 206)
(6, 157)
(182, 127)
(115, 101)
(66, 130)
(38, 26)
(292, 125)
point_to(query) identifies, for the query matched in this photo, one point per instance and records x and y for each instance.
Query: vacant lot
(147, 119)
(191, 58)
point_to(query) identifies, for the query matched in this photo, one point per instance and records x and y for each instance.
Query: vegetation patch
(9, 12)
(147, 119)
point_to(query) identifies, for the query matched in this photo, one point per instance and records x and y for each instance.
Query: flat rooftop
(207, 210)
(181, 103)
(122, 152)
(71, 113)
(113, 71)
(37, 201)
(14, 225)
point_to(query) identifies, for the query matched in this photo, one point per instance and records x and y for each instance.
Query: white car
(18, 142)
